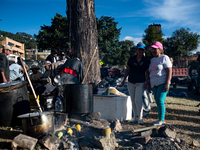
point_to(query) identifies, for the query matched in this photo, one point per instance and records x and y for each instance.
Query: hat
(157, 45)
(7, 47)
(141, 45)
(63, 54)
(35, 67)
(47, 62)
(54, 51)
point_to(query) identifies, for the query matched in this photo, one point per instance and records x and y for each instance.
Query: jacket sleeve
(2, 63)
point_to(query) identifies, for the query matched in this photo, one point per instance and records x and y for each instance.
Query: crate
(112, 107)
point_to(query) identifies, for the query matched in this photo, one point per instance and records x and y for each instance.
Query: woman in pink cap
(160, 73)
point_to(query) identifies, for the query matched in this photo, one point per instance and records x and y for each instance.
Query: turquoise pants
(160, 96)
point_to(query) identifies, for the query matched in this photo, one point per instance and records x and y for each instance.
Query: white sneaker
(159, 123)
(140, 121)
(134, 120)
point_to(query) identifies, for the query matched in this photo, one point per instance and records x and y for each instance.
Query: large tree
(83, 36)
(181, 43)
(152, 35)
(108, 42)
(55, 36)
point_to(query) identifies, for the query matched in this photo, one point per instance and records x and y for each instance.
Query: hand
(166, 87)
(4, 80)
(123, 82)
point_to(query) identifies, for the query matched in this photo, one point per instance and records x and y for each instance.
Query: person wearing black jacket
(52, 56)
(72, 72)
(4, 64)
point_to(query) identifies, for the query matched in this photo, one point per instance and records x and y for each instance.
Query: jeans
(160, 96)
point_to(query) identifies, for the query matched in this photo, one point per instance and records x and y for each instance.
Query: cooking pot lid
(6, 84)
(34, 114)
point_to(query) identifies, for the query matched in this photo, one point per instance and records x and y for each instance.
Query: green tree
(181, 43)
(151, 36)
(55, 36)
(126, 50)
(108, 42)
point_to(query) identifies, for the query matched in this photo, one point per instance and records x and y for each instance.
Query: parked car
(175, 81)
(193, 78)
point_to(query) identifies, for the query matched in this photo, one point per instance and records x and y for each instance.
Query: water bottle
(58, 105)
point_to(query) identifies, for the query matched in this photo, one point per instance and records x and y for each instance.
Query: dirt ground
(180, 112)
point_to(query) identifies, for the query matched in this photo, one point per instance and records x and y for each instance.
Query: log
(24, 141)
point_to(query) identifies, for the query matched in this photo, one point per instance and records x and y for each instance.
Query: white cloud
(135, 40)
(175, 12)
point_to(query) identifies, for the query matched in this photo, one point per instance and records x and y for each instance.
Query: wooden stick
(89, 65)
(147, 128)
(29, 81)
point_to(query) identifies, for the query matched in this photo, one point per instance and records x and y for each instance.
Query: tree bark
(83, 36)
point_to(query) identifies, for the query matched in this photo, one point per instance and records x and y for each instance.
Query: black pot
(37, 123)
(78, 98)
(13, 103)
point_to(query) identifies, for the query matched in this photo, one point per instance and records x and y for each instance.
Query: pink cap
(157, 45)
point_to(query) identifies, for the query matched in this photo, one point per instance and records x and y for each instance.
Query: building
(33, 54)
(18, 48)
(158, 26)
(30, 53)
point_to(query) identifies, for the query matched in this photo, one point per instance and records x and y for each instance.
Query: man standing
(52, 56)
(4, 64)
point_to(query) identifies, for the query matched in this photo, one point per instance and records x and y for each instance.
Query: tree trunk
(83, 36)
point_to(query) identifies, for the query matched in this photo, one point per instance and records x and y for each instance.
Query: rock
(178, 140)
(100, 123)
(50, 141)
(116, 125)
(145, 133)
(195, 143)
(138, 146)
(93, 116)
(104, 142)
(167, 132)
(24, 141)
(140, 140)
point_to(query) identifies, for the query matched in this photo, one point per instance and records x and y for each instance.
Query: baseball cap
(141, 45)
(7, 47)
(157, 45)
(63, 54)
(47, 62)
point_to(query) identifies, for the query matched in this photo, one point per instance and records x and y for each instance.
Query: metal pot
(37, 123)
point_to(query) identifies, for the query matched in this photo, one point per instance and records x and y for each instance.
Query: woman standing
(160, 73)
(135, 69)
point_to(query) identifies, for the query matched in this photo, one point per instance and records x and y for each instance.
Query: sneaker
(155, 121)
(159, 123)
(134, 120)
(140, 121)
(185, 94)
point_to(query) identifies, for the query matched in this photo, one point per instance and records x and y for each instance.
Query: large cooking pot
(14, 101)
(37, 123)
(78, 98)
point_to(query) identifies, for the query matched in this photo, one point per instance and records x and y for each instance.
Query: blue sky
(134, 16)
